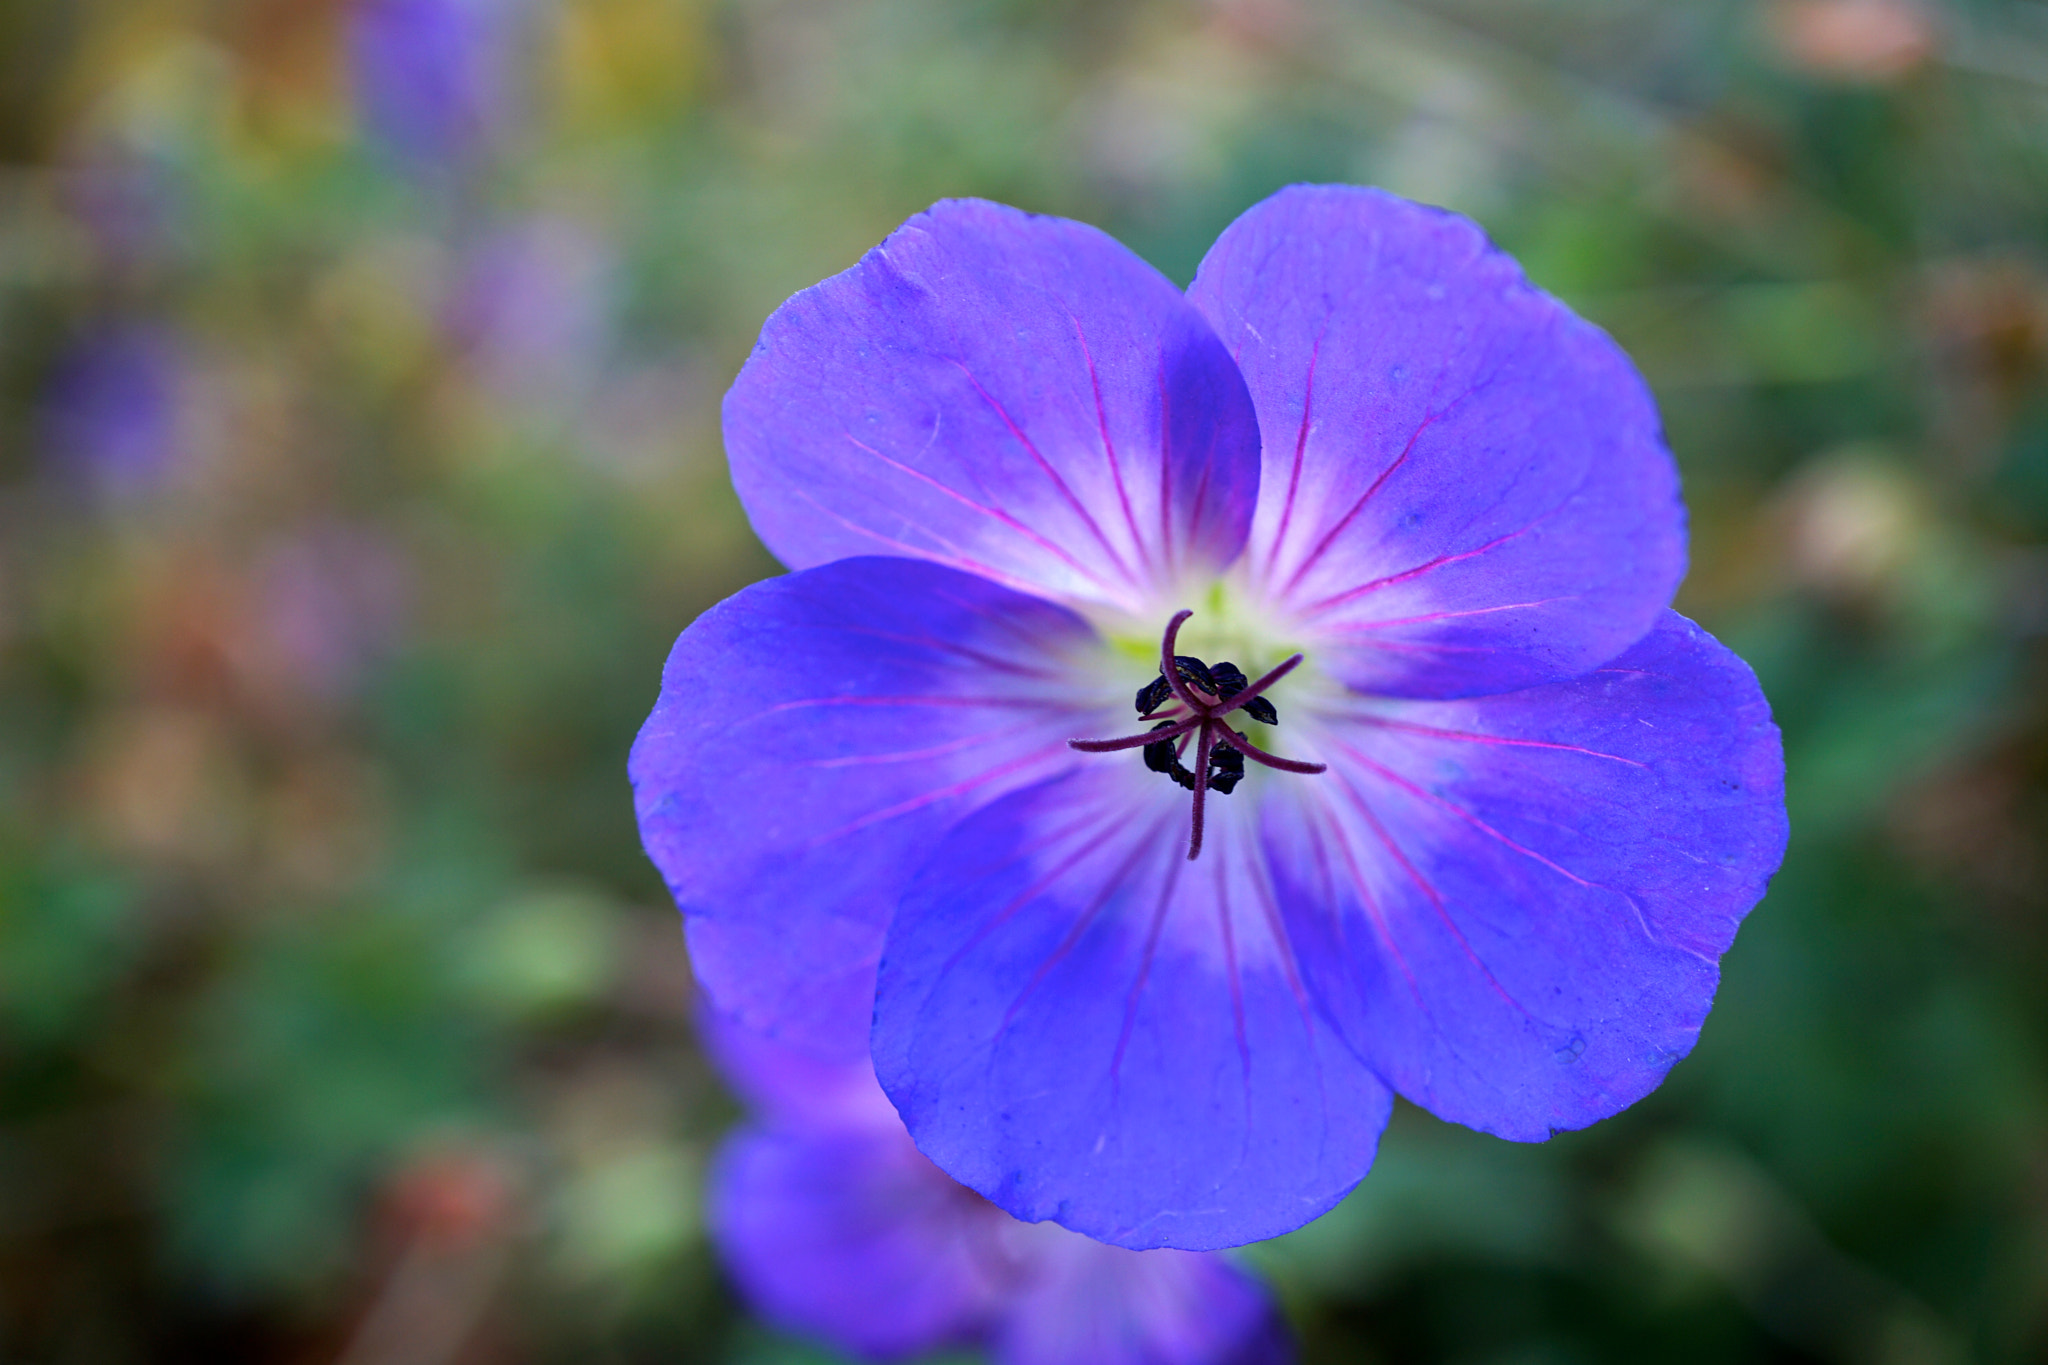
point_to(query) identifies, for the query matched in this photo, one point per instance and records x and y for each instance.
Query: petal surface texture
(1081, 1024)
(815, 734)
(1465, 487)
(1514, 907)
(791, 1088)
(1107, 1306)
(1015, 396)
(853, 1237)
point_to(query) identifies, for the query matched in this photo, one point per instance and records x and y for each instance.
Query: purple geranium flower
(835, 1227)
(334, 598)
(531, 309)
(110, 418)
(1525, 807)
(432, 78)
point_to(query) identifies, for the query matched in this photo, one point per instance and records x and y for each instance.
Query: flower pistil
(1201, 696)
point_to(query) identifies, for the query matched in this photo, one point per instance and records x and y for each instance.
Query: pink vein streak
(1308, 395)
(909, 755)
(1123, 1038)
(995, 513)
(1081, 922)
(1475, 822)
(1361, 627)
(954, 560)
(1429, 892)
(1353, 594)
(1329, 537)
(1473, 737)
(1116, 472)
(1244, 1052)
(915, 803)
(1025, 897)
(1045, 466)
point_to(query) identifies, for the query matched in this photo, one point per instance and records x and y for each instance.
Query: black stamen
(1226, 765)
(1193, 672)
(1223, 681)
(1161, 758)
(1210, 693)
(1226, 769)
(1232, 680)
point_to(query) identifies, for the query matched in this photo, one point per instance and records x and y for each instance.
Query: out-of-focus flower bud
(1865, 41)
(111, 410)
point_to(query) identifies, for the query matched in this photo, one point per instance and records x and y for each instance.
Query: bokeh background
(359, 461)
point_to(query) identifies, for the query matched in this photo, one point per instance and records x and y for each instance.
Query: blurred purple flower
(1008, 462)
(836, 1228)
(433, 78)
(124, 200)
(110, 410)
(333, 601)
(531, 310)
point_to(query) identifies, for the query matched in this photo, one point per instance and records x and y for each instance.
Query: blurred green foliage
(353, 485)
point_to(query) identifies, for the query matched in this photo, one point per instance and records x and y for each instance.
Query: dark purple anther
(1225, 680)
